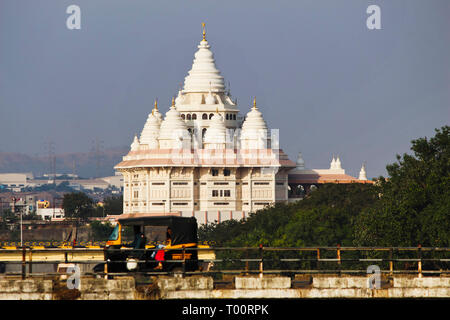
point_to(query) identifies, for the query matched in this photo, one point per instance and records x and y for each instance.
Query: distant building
(50, 213)
(23, 203)
(302, 180)
(114, 181)
(91, 184)
(59, 175)
(15, 181)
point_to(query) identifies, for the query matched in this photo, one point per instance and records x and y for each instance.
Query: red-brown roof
(324, 178)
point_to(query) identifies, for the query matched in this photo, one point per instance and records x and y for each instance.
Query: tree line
(409, 207)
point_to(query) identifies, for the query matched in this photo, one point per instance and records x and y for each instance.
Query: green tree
(113, 205)
(78, 205)
(414, 207)
(325, 218)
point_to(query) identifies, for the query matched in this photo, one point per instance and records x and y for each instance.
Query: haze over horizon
(331, 85)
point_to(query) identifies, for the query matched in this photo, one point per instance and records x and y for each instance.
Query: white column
(148, 189)
(169, 187)
(192, 189)
(250, 200)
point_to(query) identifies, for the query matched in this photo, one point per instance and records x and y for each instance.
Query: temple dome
(135, 144)
(254, 130)
(150, 132)
(204, 75)
(300, 164)
(362, 173)
(210, 98)
(215, 136)
(173, 131)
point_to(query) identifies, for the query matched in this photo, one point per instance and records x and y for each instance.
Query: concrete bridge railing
(201, 287)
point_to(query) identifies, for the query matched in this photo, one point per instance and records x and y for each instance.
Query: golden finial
(254, 102)
(173, 102)
(156, 104)
(204, 31)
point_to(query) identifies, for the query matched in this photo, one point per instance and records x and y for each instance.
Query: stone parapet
(202, 287)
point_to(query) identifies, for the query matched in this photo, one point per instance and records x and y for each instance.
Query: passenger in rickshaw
(158, 254)
(139, 238)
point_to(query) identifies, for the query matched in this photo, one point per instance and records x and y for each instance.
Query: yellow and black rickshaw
(162, 243)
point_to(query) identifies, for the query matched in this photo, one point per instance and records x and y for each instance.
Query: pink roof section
(147, 214)
(206, 158)
(324, 178)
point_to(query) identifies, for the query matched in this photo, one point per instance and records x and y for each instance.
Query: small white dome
(300, 162)
(254, 120)
(216, 133)
(173, 129)
(254, 130)
(135, 145)
(150, 132)
(333, 164)
(210, 99)
(362, 173)
(338, 163)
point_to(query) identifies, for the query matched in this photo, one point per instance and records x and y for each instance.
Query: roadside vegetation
(409, 207)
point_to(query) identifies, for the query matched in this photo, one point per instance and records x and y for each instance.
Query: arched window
(226, 117)
(203, 132)
(194, 116)
(188, 117)
(234, 117)
(182, 116)
(205, 116)
(211, 115)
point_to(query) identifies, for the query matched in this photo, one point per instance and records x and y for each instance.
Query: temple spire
(204, 31)
(362, 172)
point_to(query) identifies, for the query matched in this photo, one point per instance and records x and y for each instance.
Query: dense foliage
(410, 207)
(78, 205)
(415, 204)
(325, 218)
(113, 205)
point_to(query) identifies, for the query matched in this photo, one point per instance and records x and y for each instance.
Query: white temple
(203, 157)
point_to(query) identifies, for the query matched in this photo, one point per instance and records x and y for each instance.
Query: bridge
(261, 272)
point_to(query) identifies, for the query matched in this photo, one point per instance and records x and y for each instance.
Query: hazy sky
(331, 85)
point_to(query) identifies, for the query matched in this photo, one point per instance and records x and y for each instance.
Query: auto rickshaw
(143, 253)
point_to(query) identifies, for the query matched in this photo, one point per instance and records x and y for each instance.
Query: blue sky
(331, 85)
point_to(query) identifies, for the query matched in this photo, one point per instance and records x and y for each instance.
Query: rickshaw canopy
(184, 229)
